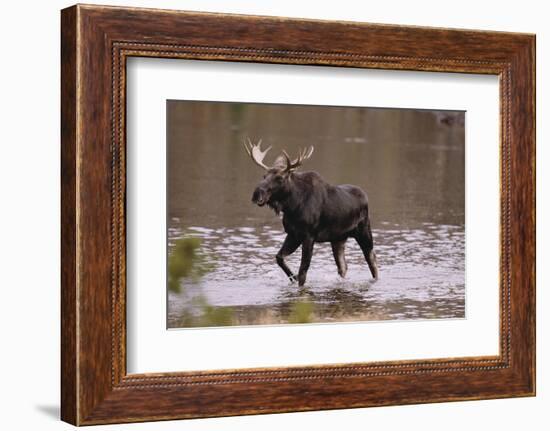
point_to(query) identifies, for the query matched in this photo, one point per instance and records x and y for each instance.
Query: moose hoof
(293, 278)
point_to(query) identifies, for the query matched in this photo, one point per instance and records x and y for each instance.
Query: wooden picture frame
(95, 43)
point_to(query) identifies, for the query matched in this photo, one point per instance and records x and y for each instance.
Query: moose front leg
(289, 246)
(307, 252)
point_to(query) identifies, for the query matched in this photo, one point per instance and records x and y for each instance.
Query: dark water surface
(410, 163)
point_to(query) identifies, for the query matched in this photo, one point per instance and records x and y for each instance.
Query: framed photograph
(263, 214)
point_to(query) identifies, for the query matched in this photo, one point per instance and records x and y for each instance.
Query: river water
(410, 163)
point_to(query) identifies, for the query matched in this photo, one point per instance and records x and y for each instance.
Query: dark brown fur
(315, 211)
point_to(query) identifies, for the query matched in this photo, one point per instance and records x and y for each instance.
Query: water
(410, 163)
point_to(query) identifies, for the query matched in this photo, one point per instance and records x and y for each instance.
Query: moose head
(275, 184)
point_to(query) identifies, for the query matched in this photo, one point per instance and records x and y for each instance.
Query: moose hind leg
(289, 246)
(364, 239)
(373, 264)
(338, 248)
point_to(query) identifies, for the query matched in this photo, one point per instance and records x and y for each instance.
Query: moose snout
(260, 196)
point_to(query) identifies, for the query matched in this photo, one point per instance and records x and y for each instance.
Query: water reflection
(411, 163)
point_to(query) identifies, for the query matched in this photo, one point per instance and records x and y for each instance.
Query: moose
(313, 211)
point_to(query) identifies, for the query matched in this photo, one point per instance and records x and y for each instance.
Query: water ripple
(422, 274)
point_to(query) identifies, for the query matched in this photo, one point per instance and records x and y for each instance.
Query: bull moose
(313, 211)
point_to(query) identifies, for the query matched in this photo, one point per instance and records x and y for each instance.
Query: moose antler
(256, 153)
(302, 156)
